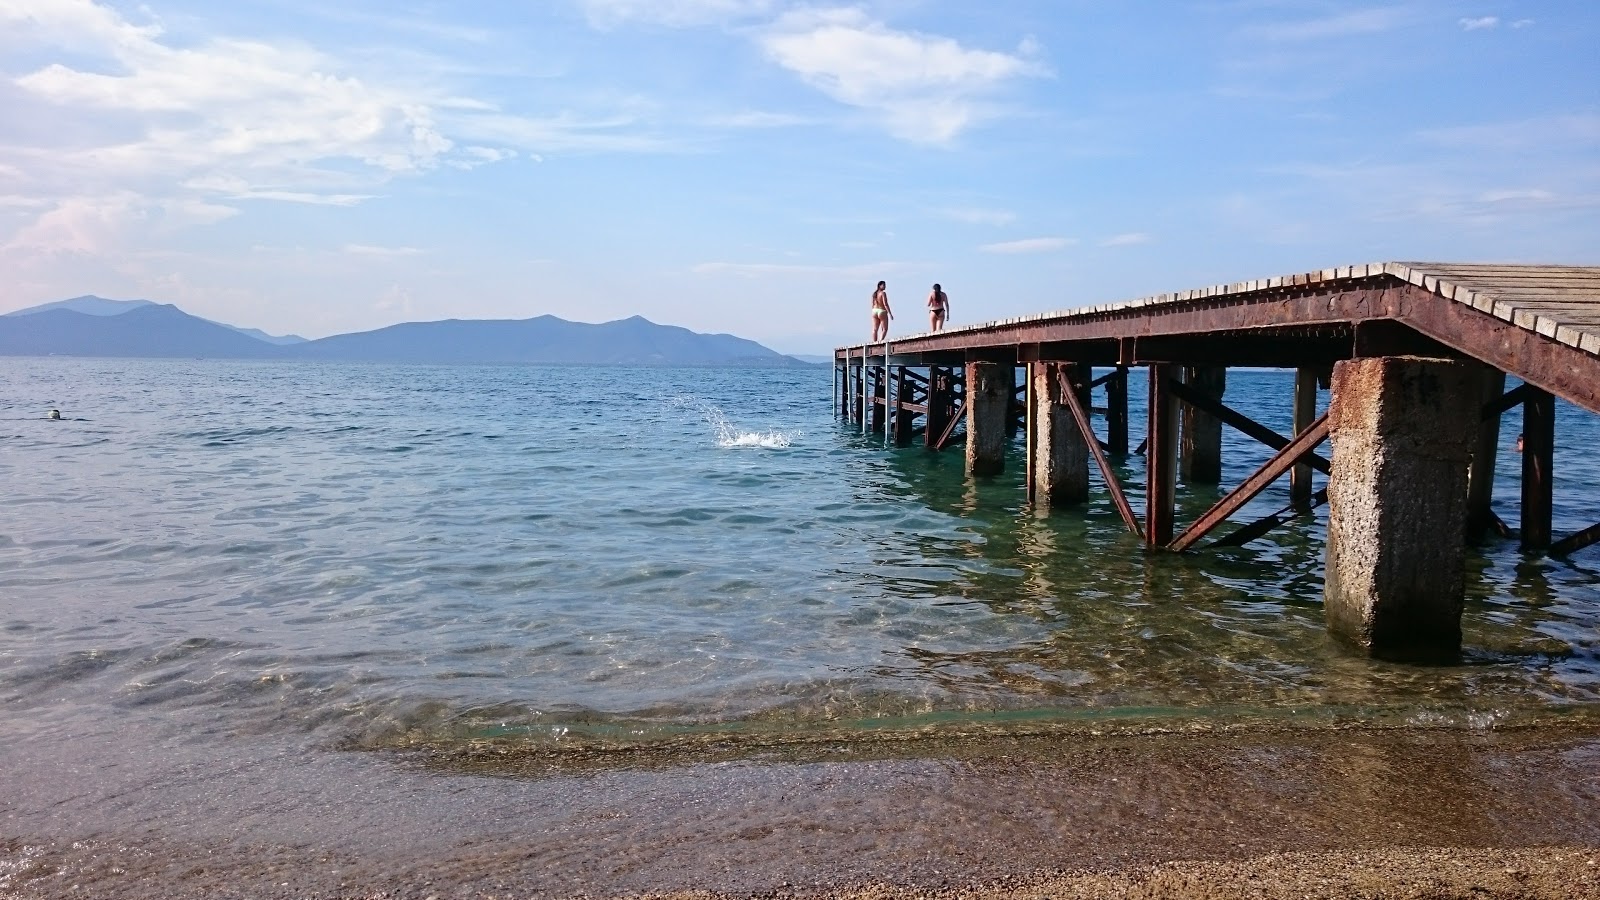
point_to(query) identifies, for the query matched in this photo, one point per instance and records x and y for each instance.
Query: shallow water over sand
(370, 556)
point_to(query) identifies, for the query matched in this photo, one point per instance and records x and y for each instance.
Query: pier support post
(1305, 412)
(879, 403)
(904, 418)
(1402, 430)
(1538, 453)
(1117, 412)
(1202, 432)
(989, 391)
(1161, 457)
(941, 393)
(1480, 477)
(1060, 462)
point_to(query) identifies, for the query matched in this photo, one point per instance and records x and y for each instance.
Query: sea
(203, 558)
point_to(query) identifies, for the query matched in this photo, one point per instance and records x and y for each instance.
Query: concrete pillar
(1117, 412)
(1161, 457)
(940, 391)
(1305, 412)
(1201, 457)
(1060, 463)
(989, 387)
(1402, 430)
(1480, 477)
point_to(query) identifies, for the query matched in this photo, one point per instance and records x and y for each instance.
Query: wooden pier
(1415, 356)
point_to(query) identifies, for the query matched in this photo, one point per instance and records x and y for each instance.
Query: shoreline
(1349, 813)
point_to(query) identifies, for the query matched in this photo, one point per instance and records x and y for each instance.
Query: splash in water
(730, 435)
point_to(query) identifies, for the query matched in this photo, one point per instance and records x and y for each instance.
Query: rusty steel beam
(1244, 534)
(1245, 424)
(1494, 408)
(1117, 412)
(950, 427)
(1118, 498)
(1573, 543)
(1538, 454)
(1567, 372)
(1281, 462)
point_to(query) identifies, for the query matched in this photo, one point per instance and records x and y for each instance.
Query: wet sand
(1397, 813)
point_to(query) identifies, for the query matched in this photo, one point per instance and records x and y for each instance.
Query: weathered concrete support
(1117, 412)
(1538, 454)
(879, 380)
(1402, 430)
(1201, 459)
(1059, 466)
(1480, 477)
(989, 390)
(905, 420)
(941, 395)
(1161, 457)
(1305, 412)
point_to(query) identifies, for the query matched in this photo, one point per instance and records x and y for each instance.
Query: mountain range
(94, 326)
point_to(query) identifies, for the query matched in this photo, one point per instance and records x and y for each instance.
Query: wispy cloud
(1479, 24)
(857, 272)
(370, 250)
(1348, 24)
(978, 215)
(673, 13)
(927, 88)
(1029, 245)
(1130, 239)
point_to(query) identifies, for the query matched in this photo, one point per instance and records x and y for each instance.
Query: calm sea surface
(371, 557)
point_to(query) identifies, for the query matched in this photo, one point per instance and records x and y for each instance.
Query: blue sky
(755, 166)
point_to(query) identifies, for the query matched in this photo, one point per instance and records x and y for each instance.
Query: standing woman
(880, 313)
(938, 308)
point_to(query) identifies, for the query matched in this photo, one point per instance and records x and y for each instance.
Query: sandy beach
(1362, 813)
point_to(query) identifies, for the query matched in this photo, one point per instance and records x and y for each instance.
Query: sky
(756, 166)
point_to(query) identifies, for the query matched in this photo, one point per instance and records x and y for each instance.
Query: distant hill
(91, 305)
(545, 339)
(150, 330)
(91, 326)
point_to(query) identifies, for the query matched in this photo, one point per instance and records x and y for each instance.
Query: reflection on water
(378, 556)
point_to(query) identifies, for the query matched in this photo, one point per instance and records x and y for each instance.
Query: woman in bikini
(880, 313)
(938, 308)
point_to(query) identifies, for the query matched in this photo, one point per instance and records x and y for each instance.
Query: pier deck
(1416, 356)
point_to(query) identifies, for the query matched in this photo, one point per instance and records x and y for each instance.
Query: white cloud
(978, 216)
(370, 250)
(927, 88)
(1479, 24)
(675, 13)
(1522, 23)
(859, 272)
(1130, 239)
(1029, 245)
(1350, 24)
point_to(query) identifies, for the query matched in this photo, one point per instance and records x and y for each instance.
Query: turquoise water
(372, 556)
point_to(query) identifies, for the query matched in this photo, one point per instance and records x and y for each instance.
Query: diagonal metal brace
(1081, 416)
(1297, 451)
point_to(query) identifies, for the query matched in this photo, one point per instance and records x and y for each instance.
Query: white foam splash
(729, 435)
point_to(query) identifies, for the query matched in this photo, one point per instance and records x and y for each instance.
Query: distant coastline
(95, 327)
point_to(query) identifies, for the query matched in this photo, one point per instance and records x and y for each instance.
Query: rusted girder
(1294, 452)
(1244, 424)
(1494, 408)
(1244, 534)
(1573, 543)
(1118, 498)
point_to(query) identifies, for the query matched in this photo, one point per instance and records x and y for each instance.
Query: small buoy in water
(53, 414)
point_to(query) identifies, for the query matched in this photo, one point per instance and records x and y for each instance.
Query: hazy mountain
(816, 358)
(91, 305)
(88, 304)
(152, 329)
(90, 326)
(545, 339)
